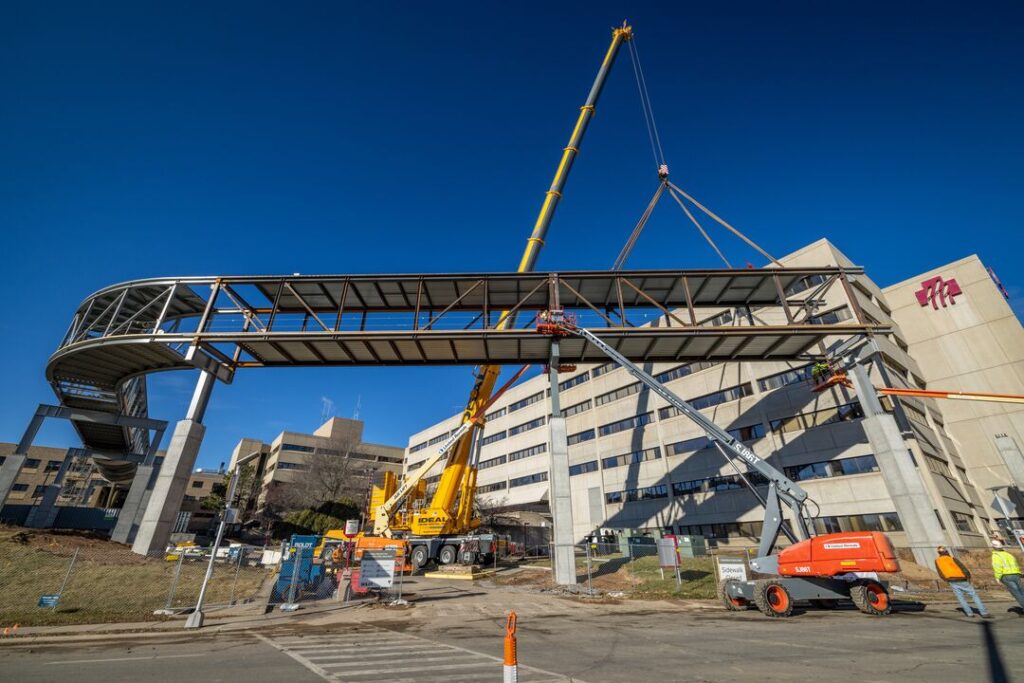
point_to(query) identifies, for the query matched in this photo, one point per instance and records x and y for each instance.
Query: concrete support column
(559, 487)
(12, 463)
(902, 479)
(169, 488)
(129, 519)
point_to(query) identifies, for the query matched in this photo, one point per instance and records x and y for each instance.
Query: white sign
(841, 546)
(377, 569)
(351, 528)
(667, 555)
(732, 568)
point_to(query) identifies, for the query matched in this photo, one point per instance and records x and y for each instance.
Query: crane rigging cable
(645, 103)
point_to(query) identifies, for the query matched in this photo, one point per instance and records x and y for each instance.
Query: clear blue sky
(189, 138)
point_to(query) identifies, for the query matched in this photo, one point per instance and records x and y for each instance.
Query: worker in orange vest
(958, 577)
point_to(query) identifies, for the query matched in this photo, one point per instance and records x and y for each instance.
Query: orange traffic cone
(511, 665)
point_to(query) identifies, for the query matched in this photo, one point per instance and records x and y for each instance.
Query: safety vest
(949, 569)
(1004, 564)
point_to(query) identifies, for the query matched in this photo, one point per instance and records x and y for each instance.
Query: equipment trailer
(821, 569)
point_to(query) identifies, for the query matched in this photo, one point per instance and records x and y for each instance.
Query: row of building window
(629, 423)
(621, 392)
(709, 400)
(816, 418)
(786, 378)
(580, 437)
(494, 438)
(833, 468)
(430, 442)
(33, 464)
(492, 462)
(882, 521)
(576, 409)
(603, 369)
(527, 452)
(831, 317)
(527, 426)
(574, 381)
(683, 371)
(528, 401)
(528, 479)
(488, 488)
(631, 458)
(583, 468)
(633, 495)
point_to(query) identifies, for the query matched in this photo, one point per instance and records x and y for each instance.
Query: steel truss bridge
(221, 324)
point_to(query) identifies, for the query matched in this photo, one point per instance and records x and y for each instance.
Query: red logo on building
(936, 290)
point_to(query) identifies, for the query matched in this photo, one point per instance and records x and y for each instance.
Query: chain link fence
(49, 579)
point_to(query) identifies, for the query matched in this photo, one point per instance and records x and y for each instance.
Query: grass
(698, 576)
(107, 583)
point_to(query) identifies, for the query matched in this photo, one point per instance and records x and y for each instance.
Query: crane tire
(730, 603)
(448, 555)
(772, 598)
(419, 557)
(870, 597)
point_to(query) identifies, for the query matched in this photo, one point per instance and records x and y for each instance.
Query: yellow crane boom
(458, 477)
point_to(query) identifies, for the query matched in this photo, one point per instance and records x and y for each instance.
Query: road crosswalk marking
(376, 654)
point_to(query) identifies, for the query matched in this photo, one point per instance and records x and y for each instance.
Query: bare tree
(329, 477)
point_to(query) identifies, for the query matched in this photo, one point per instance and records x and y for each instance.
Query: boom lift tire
(448, 555)
(419, 557)
(772, 598)
(870, 597)
(730, 603)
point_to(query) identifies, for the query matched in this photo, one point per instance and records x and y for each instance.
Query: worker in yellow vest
(958, 577)
(1007, 572)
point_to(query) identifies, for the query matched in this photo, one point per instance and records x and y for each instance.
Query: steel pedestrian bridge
(221, 324)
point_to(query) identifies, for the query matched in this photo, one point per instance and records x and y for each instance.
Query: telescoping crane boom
(808, 568)
(458, 478)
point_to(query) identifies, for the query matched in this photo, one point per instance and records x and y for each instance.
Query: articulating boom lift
(815, 568)
(436, 529)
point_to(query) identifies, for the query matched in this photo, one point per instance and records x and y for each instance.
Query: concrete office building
(636, 463)
(282, 462)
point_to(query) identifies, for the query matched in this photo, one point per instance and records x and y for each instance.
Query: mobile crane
(437, 531)
(818, 568)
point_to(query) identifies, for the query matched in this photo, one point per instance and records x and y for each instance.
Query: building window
(573, 381)
(709, 401)
(784, 379)
(31, 464)
(833, 468)
(52, 465)
(831, 317)
(418, 447)
(683, 488)
(634, 495)
(581, 407)
(528, 401)
(500, 460)
(748, 433)
(688, 445)
(297, 448)
(528, 479)
(580, 437)
(290, 466)
(197, 484)
(603, 369)
(583, 468)
(494, 414)
(631, 458)
(882, 521)
(629, 423)
(496, 486)
(20, 487)
(493, 438)
(806, 283)
(527, 452)
(817, 418)
(964, 522)
(683, 371)
(527, 426)
(622, 392)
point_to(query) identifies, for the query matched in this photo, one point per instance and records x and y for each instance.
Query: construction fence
(51, 579)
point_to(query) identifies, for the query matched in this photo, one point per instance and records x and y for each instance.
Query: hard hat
(996, 543)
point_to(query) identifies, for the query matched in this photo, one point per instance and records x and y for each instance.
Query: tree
(329, 477)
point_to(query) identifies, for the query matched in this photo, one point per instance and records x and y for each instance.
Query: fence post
(174, 580)
(67, 576)
(590, 585)
(234, 582)
(291, 605)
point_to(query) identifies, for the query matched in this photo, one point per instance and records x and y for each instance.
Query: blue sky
(149, 139)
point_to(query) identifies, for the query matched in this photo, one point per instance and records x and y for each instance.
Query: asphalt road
(558, 641)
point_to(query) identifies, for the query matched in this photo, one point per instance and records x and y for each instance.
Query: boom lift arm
(781, 489)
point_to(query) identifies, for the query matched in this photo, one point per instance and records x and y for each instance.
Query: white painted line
(124, 659)
(342, 643)
(375, 655)
(446, 658)
(301, 660)
(396, 649)
(435, 667)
